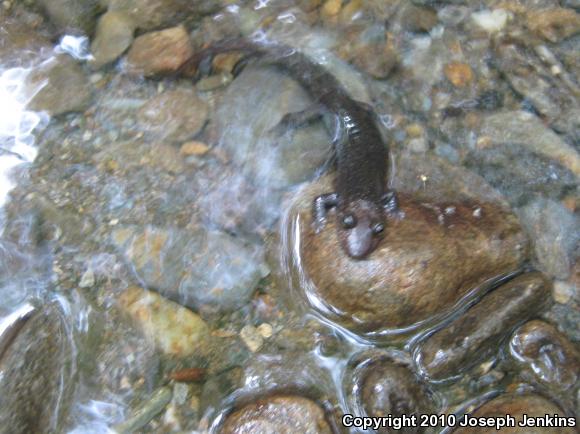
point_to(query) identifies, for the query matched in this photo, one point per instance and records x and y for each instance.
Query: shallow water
(157, 258)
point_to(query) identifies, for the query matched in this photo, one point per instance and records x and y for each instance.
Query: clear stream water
(123, 204)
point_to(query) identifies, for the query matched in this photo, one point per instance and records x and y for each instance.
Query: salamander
(360, 195)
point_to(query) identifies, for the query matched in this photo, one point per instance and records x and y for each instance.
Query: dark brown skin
(360, 197)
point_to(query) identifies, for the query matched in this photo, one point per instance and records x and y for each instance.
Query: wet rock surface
(159, 52)
(528, 173)
(531, 405)
(175, 115)
(38, 374)
(475, 335)
(383, 386)
(155, 14)
(546, 221)
(65, 87)
(403, 281)
(72, 16)
(546, 355)
(274, 159)
(114, 34)
(174, 329)
(554, 24)
(281, 414)
(523, 128)
(552, 95)
(203, 269)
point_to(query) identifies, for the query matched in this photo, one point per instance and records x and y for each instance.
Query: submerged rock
(77, 16)
(543, 82)
(21, 40)
(275, 160)
(142, 415)
(284, 414)
(38, 373)
(555, 233)
(159, 52)
(521, 174)
(554, 24)
(417, 18)
(66, 89)
(175, 115)
(251, 109)
(476, 334)
(370, 51)
(517, 406)
(546, 356)
(523, 128)
(175, 330)
(208, 270)
(113, 36)
(431, 257)
(156, 14)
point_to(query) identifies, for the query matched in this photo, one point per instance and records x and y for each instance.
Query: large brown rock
(546, 356)
(431, 257)
(159, 52)
(382, 385)
(478, 333)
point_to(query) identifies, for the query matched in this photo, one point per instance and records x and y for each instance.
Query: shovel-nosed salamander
(360, 195)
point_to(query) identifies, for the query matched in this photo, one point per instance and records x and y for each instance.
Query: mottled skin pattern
(360, 197)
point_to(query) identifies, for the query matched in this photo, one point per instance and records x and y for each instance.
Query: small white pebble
(265, 330)
(95, 78)
(87, 136)
(562, 292)
(450, 210)
(251, 338)
(490, 21)
(477, 212)
(485, 367)
(125, 383)
(87, 279)
(180, 393)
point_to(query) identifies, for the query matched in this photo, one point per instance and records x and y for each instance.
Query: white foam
(76, 46)
(17, 124)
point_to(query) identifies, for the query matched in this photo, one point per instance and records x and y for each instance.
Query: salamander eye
(349, 221)
(378, 228)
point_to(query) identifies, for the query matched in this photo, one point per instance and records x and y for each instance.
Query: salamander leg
(297, 119)
(390, 201)
(320, 206)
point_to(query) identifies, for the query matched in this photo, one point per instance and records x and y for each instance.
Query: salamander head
(361, 225)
